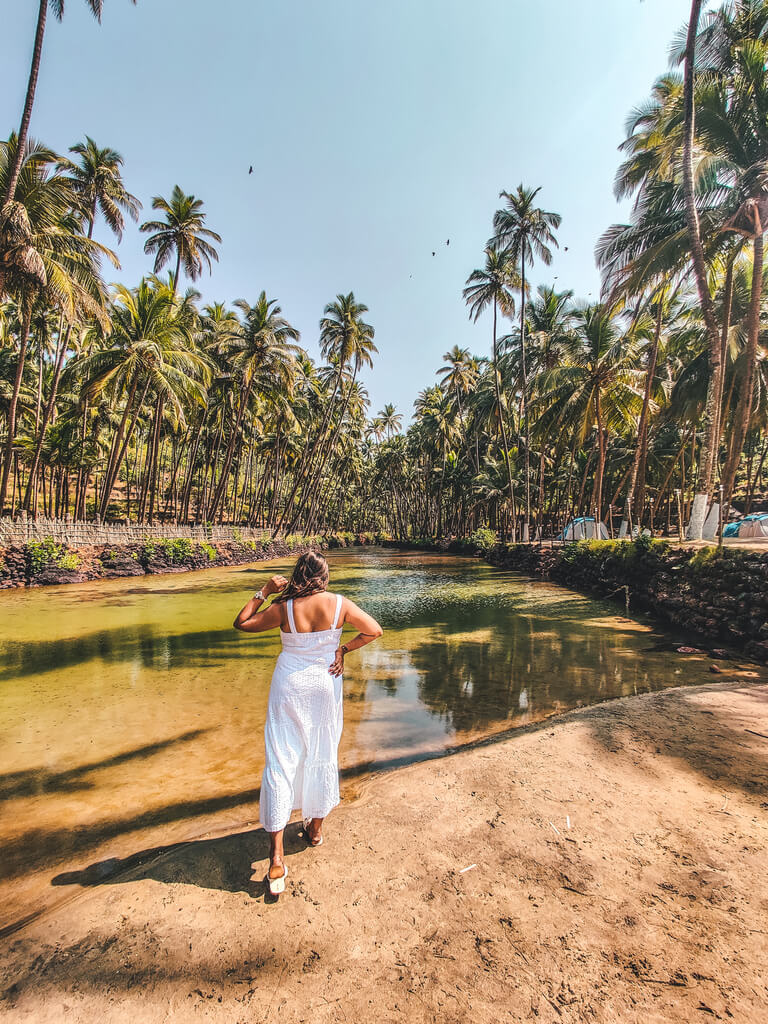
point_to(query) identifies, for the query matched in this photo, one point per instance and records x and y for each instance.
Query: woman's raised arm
(250, 620)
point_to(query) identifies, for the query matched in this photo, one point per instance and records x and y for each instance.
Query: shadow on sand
(223, 863)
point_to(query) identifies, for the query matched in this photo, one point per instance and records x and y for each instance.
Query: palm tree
(690, 212)
(549, 325)
(183, 233)
(391, 420)
(460, 376)
(149, 351)
(528, 232)
(347, 339)
(598, 389)
(344, 338)
(701, 500)
(261, 352)
(492, 285)
(648, 324)
(57, 6)
(43, 255)
(98, 182)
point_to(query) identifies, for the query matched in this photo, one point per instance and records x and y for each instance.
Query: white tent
(584, 528)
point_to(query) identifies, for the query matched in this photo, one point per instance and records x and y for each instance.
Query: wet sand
(606, 866)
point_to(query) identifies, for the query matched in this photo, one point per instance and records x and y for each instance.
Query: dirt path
(609, 867)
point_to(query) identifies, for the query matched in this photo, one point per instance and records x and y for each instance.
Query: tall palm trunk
(154, 458)
(8, 456)
(187, 491)
(597, 491)
(304, 468)
(527, 523)
(440, 495)
(118, 436)
(642, 426)
(171, 494)
(744, 408)
(316, 488)
(218, 494)
(497, 385)
(13, 177)
(177, 272)
(211, 458)
(275, 481)
(40, 378)
(541, 490)
(709, 452)
(466, 439)
(724, 332)
(92, 217)
(49, 409)
(119, 449)
(755, 479)
(81, 485)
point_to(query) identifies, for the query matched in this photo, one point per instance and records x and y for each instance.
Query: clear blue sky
(376, 132)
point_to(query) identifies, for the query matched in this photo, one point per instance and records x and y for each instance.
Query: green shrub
(42, 554)
(209, 550)
(482, 539)
(177, 550)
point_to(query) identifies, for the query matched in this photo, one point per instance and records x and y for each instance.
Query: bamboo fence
(81, 534)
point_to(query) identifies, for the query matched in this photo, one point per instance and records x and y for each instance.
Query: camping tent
(584, 528)
(754, 525)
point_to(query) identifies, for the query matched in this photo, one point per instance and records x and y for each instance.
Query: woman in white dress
(304, 715)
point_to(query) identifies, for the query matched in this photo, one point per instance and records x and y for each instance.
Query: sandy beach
(609, 865)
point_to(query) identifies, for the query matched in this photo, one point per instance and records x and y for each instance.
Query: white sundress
(303, 728)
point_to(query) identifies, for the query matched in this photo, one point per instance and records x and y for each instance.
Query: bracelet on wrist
(344, 650)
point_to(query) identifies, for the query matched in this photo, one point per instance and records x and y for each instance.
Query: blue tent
(584, 528)
(753, 525)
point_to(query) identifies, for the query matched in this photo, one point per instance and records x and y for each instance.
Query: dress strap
(338, 609)
(291, 623)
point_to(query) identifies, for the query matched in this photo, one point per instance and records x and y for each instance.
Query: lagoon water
(132, 713)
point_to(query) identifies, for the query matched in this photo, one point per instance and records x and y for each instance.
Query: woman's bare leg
(315, 831)
(276, 854)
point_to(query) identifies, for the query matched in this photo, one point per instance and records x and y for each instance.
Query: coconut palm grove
(139, 402)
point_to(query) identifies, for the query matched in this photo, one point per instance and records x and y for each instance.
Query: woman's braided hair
(310, 576)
